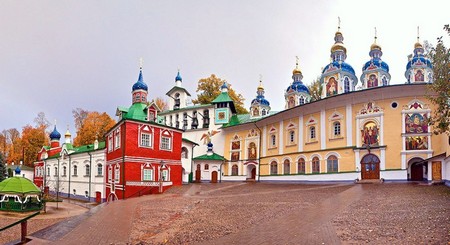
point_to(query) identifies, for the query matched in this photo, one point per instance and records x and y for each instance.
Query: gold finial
(339, 23)
(141, 63)
(296, 62)
(375, 35)
(418, 34)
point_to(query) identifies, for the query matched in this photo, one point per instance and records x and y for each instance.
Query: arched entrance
(214, 177)
(251, 171)
(417, 169)
(370, 167)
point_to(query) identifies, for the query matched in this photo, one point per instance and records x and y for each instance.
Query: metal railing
(23, 224)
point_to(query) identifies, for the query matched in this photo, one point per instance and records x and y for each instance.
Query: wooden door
(436, 170)
(254, 173)
(370, 167)
(214, 177)
(417, 172)
(198, 175)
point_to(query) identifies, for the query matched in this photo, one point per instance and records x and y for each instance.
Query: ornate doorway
(214, 177)
(370, 167)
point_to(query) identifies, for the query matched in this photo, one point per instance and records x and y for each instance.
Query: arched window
(337, 128)
(301, 166)
(273, 140)
(346, 85)
(64, 170)
(184, 153)
(56, 171)
(88, 170)
(48, 171)
(292, 137)
(332, 164)
(315, 165)
(287, 167)
(75, 170)
(117, 173)
(273, 168)
(301, 100)
(109, 174)
(199, 167)
(99, 169)
(263, 112)
(206, 166)
(234, 170)
(312, 133)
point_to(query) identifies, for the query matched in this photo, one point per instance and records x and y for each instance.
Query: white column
(349, 124)
(300, 133)
(383, 159)
(280, 136)
(381, 129)
(357, 164)
(323, 133)
(264, 141)
(404, 161)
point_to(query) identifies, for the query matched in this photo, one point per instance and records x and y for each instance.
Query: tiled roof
(213, 157)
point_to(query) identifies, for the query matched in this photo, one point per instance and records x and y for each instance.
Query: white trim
(349, 125)
(323, 143)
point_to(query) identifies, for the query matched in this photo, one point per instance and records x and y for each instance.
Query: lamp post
(161, 176)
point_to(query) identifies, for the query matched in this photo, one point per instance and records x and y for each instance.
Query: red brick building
(142, 155)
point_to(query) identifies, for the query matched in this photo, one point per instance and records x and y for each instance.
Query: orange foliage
(94, 126)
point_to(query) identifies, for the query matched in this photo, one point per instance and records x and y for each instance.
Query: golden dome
(296, 71)
(338, 46)
(418, 45)
(375, 46)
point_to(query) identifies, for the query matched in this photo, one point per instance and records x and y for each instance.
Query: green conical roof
(18, 185)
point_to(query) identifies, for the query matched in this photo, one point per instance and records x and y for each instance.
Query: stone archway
(251, 172)
(417, 169)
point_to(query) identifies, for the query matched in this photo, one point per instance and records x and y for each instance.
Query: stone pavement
(310, 226)
(109, 223)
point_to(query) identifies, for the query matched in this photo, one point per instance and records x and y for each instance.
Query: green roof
(243, 119)
(189, 141)
(18, 185)
(86, 148)
(223, 97)
(136, 111)
(213, 157)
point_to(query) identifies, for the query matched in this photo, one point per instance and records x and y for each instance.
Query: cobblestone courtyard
(267, 213)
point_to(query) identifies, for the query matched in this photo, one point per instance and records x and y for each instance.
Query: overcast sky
(59, 55)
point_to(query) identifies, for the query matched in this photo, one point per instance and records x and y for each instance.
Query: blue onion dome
(298, 87)
(17, 170)
(178, 77)
(418, 58)
(260, 96)
(55, 135)
(140, 84)
(375, 62)
(224, 86)
(339, 65)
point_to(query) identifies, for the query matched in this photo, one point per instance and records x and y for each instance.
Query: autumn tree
(440, 58)
(79, 115)
(315, 89)
(93, 127)
(3, 172)
(161, 103)
(33, 138)
(209, 89)
(14, 145)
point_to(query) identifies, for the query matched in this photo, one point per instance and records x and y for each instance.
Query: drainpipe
(45, 174)
(70, 167)
(57, 185)
(192, 162)
(259, 151)
(90, 174)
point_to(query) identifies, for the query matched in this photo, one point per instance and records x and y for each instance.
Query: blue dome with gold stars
(140, 83)
(298, 87)
(376, 63)
(340, 65)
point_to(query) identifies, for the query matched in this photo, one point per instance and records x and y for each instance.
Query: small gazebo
(19, 194)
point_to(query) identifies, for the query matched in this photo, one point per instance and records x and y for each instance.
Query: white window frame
(144, 139)
(117, 173)
(117, 139)
(166, 143)
(147, 174)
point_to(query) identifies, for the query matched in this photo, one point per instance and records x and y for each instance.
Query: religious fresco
(372, 81)
(416, 123)
(252, 151)
(417, 143)
(332, 86)
(234, 156)
(418, 77)
(370, 134)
